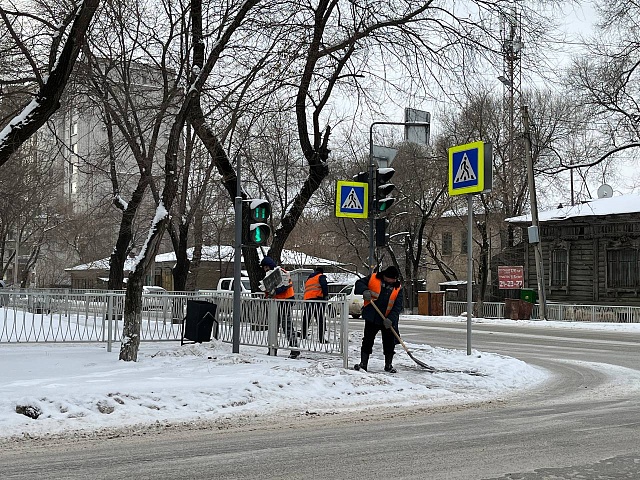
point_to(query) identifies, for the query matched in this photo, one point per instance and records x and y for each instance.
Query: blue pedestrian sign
(352, 199)
(467, 172)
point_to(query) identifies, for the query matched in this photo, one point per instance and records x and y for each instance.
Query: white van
(355, 300)
(226, 285)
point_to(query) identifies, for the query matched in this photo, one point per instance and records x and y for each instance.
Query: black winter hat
(391, 272)
(268, 262)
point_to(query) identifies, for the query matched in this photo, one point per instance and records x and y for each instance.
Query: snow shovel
(422, 364)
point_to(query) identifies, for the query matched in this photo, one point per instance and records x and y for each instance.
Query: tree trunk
(181, 269)
(125, 235)
(192, 279)
(132, 317)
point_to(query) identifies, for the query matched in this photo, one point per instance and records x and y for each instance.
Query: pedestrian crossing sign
(352, 199)
(467, 168)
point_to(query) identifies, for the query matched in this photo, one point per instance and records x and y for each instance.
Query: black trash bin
(200, 322)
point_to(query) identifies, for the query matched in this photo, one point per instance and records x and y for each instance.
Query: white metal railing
(558, 311)
(30, 316)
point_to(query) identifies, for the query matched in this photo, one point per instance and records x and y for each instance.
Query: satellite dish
(605, 191)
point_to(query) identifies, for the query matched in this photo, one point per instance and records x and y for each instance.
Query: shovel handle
(392, 329)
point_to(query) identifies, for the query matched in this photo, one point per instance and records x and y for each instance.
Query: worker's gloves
(366, 295)
(387, 323)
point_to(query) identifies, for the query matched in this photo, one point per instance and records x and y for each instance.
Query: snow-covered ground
(83, 388)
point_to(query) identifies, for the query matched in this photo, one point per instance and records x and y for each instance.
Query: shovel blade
(421, 363)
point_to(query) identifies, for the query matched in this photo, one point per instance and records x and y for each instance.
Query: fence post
(87, 301)
(272, 336)
(344, 333)
(110, 317)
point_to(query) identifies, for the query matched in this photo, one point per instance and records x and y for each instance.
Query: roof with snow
(620, 205)
(102, 264)
(222, 253)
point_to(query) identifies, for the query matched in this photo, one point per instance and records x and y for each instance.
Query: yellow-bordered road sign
(352, 199)
(466, 168)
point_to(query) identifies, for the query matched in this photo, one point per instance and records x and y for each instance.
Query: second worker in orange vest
(315, 290)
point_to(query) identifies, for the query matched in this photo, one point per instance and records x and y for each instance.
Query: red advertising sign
(510, 278)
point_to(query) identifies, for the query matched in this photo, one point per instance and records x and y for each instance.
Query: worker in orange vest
(315, 291)
(384, 289)
(284, 292)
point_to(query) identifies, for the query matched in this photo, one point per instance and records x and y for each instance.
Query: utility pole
(534, 230)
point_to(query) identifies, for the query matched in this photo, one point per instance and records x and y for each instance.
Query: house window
(559, 259)
(447, 243)
(622, 268)
(463, 242)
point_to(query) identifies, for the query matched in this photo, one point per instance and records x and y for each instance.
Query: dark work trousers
(313, 309)
(370, 332)
(284, 322)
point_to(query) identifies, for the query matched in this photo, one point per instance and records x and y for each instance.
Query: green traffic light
(257, 237)
(382, 206)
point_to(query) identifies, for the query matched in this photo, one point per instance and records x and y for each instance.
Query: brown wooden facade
(589, 260)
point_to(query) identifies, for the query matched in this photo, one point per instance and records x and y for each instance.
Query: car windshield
(246, 284)
(346, 290)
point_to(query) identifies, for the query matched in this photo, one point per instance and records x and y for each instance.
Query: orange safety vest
(375, 285)
(312, 288)
(288, 293)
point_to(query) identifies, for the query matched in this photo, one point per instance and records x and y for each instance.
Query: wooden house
(591, 252)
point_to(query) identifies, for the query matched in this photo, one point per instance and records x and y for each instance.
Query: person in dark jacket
(384, 289)
(284, 292)
(316, 289)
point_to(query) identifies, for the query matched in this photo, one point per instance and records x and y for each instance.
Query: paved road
(584, 423)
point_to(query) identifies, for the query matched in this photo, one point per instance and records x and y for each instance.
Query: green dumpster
(528, 295)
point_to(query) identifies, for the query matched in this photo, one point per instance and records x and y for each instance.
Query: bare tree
(135, 87)
(605, 81)
(133, 298)
(49, 72)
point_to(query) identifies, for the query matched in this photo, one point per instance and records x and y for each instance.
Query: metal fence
(557, 311)
(32, 316)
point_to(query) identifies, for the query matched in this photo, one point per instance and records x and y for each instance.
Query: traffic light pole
(372, 186)
(237, 260)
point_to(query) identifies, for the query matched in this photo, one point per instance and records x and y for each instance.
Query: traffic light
(362, 177)
(257, 231)
(383, 189)
(382, 232)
